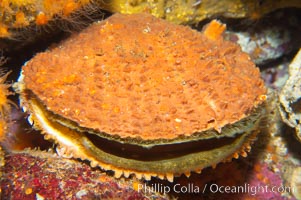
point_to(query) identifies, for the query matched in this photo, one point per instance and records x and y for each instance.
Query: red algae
(34, 174)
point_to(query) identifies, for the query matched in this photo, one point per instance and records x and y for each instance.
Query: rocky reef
(290, 96)
(33, 168)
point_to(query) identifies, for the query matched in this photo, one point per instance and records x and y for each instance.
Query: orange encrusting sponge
(214, 30)
(5, 108)
(139, 76)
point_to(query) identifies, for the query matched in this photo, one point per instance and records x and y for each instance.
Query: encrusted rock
(290, 97)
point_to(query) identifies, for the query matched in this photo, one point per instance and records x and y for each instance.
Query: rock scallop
(139, 95)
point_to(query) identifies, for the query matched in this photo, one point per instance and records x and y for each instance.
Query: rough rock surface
(290, 96)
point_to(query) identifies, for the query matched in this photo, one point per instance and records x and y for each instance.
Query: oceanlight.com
(213, 188)
(247, 188)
